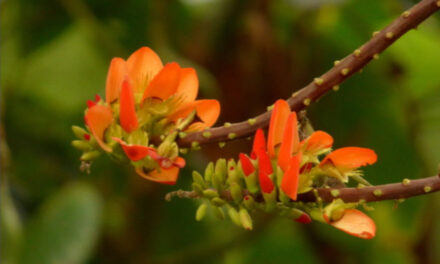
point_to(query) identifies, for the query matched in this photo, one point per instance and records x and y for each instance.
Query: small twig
(401, 190)
(342, 70)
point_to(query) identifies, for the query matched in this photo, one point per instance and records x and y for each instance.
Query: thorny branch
(393, 191)
(342, 70)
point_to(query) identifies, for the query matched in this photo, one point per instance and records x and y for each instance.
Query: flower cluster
(145, 100)
(274, 173)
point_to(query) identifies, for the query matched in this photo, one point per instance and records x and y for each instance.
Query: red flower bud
(304, 219)
(259, 143)
(264, 170)
(246, 164)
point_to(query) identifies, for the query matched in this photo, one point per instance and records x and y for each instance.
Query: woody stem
(392, 191)
(342, 70)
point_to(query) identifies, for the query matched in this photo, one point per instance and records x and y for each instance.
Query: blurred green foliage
(55, 54)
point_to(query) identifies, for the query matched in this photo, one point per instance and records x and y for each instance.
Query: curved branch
(401, 190)
(342, 70)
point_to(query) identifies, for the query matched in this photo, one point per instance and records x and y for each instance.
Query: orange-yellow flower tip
(136, 152)
(350, 157)
(259, 143)
(142, 66)
(290, 180)
(117, 72)
(246, 164)
(290, 142)
(264, 170)
(355, 223)
(278, 119)
(127, 115)
(165, 83)
(162, 175)
(98, 119)
(317, 141)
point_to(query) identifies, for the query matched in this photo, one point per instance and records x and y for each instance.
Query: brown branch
(336, 75)
(392, 191)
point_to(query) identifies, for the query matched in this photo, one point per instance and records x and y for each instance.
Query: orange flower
(147, 99)
(343, 162)
(153, 81)
(350, 158)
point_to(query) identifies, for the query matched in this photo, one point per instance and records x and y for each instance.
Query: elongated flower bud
(201, 212)
(245, 218)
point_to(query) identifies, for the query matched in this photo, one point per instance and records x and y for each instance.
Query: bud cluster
(271, 178)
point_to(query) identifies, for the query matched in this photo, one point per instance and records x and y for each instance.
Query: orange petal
(207, 111)
(290, 142)
(350, 157)
(246, 164)
(165, 83)
(264, 170)
(142, 66)
(127, 115)
(188, 85)
(259, 143)
(165, 176)
(317, 141)
(98, 119)
(115, 76)
(280, 114)
(179, 162)
(136, 152)
(289, 183)
(356, 223)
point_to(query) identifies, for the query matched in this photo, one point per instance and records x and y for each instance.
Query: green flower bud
(233, 214)
(281, 195)
(79, 132)
(91, 155)
(250, 180)
(271, 200)
(210, 193)
(209, 172)
(317, 214)
(198, 178)
(218, 212)
(82, 145)
(137, 137)
(217, 201)
(245, 218)
(201, 212)
(236, 192)
(218, 180)
(295, 213)
(249, 202)
(220, 168)
(198, 188)
(337, 214)
(168, 149)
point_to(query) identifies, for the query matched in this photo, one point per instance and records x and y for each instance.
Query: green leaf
(66, 227)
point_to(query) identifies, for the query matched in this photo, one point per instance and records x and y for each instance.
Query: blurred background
(55, 55)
